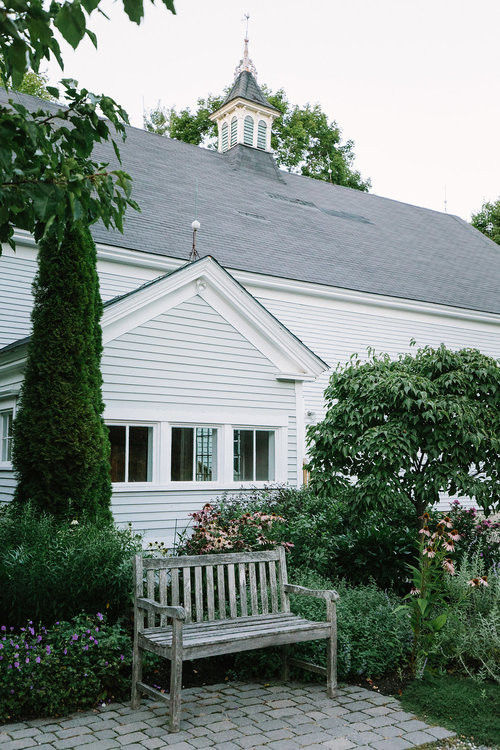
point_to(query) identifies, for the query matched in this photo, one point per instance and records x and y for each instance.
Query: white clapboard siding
(16, 300)
(7, 486)
(186, 356)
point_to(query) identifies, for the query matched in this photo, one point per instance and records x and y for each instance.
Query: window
(194, 454)
(248, 131)
(234, 130)
(224, 137)
(253, 455)
(131, 453)
(6, 419)
(261, 134)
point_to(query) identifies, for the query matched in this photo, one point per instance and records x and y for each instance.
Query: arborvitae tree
(61, 445)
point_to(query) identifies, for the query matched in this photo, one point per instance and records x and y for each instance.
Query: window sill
(6, 466)
(192, 486)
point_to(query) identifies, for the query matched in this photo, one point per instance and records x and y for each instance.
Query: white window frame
(154, 450)
(190, 484)
(257, 482)
(7, 405)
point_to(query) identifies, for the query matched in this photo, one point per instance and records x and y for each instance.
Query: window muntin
(253, 455)
(193, 454)
(261, 134)
(6, 422)
(224, 136)
(131, 453)
(248, 131)
(234, 130)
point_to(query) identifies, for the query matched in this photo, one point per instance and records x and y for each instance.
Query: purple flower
(74, 637)
(38, 659)
(1, 645)
(48, 649)
(27, 660)
(122, 657)
(100, 616)
(11, 692)
(16, 664)
(3, 628)
(85, 648)
(65, 651)
(57, 623)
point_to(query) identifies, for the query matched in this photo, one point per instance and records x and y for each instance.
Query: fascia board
(241, 102)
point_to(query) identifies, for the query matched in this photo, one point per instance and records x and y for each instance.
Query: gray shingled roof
(246, 87)
(260, 219)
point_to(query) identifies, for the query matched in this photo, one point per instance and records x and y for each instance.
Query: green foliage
(34, 84)
(303, 139)
(48, 178)
(61, 446)
(487, 220)
(53, 569)
(463, 705)
(470, 643)
(372, 640)
(404, 430)
(327, 539)
(29, 30)
(478, 536)
(70, 666)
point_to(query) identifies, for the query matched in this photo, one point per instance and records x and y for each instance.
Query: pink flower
(447, 522)
(449, 545)
(474, 582)
(425, 531)
(483, 581)
(414, 591)
(429, 551)
(454, 535)
(449, 567)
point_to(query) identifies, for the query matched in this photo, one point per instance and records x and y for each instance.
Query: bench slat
(162, 582)
(210, 593)
(198, 593)
(151, 595)
(263, 588)
(186, 582)
(253, 588)
(232, 590)
(274, 587)
(243, 589)
(221, 592)
(175, 586)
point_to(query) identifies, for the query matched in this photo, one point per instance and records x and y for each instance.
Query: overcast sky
(415, 83)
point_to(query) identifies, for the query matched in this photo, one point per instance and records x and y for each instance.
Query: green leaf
(71, 23)
(134, 9)
(439, 622)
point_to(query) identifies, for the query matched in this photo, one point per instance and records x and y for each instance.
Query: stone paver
(236, 716)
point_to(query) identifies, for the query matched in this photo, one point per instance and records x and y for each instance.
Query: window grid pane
(206, 441)
(117, 438)
(181, 465)
(243, 455)
(140, 454)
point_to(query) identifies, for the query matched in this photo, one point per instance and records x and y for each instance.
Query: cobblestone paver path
(236, 716)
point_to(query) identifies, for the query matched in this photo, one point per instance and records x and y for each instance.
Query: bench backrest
(215, 587)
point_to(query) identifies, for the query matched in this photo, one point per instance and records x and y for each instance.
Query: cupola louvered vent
(248, 131)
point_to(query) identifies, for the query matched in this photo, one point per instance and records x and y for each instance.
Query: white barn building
(213, 369)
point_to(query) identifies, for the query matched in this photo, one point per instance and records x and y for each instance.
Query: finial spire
(245, 63)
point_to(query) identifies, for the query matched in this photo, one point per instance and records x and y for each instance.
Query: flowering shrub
(211, 533)
(427, 603)
(70, 665)
(477, 535)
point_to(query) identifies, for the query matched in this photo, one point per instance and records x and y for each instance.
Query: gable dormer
(246, 117)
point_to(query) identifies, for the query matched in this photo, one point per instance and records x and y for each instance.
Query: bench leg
(176, 677)
(285, 667)
(136, 675)
(331, 651)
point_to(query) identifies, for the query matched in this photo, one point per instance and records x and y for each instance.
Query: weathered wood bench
(193, 607)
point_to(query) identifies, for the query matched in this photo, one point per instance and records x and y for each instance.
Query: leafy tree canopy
(487, 220)
(34, 84)
(48, 178)
(303, 139)
(408, 429)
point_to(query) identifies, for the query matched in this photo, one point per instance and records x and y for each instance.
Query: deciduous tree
(303, 139)
(487, 220)
(411, 428)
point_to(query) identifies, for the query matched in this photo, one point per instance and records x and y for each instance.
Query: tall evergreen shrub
(61, 445)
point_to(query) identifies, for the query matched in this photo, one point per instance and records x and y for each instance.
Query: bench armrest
(151, 606)
(328, 594)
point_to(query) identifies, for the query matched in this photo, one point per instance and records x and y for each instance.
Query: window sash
(6, 423)
(254, 455)
(131, 467)
(193, 449)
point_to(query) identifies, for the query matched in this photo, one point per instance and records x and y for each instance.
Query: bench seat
(202, 639)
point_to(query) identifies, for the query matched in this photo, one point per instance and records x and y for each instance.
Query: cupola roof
(246, 87)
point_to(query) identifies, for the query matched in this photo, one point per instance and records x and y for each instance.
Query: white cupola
(246, 117)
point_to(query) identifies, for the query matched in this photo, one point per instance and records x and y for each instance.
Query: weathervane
(195, 225)
(245, 63)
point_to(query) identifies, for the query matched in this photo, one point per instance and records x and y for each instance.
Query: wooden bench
(193, 607)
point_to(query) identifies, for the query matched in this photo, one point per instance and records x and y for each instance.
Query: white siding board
(7, 485)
